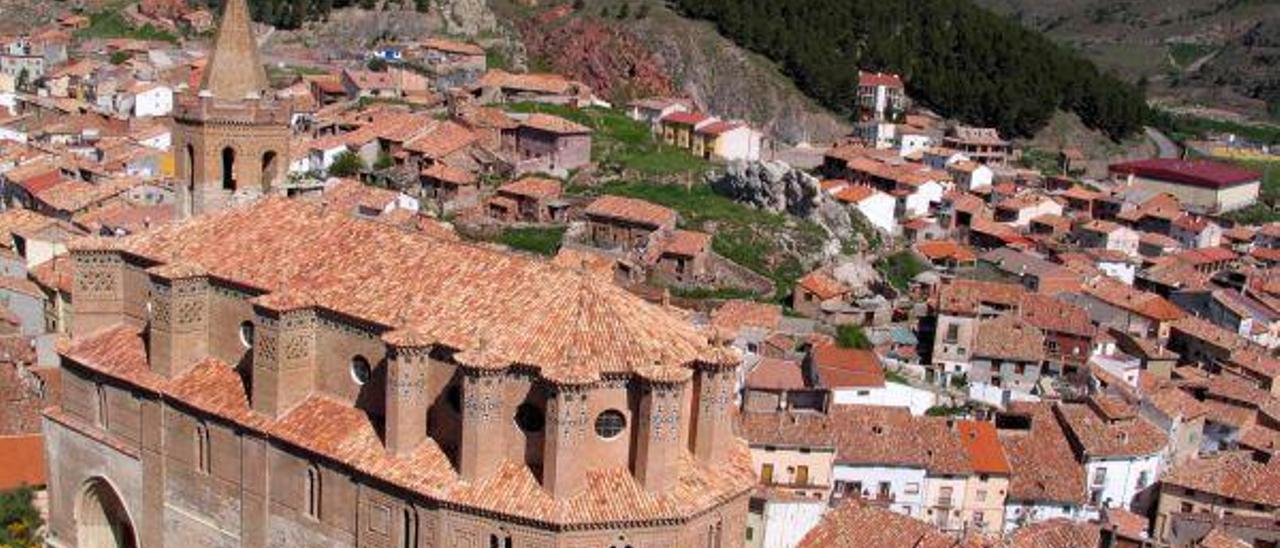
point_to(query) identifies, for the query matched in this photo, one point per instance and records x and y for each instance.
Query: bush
(19, 519)
(543, 241)
(347, 164)
(851, 336)
(898, 269)
(119, 57)
(377, 64)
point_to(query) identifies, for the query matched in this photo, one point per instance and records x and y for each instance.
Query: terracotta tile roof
(822, 284)
(1080, 193)
(1041, 460)
(1055, 315)
(879, 79)
(853, 194)
(452, 46)
(530, 312)
(441, 140)
(847, 367)
(946, 249)
(553, 124)
(21, 285)
(736, 314)
(533, 187)
(1217, 538)
(1057, 222)
(345, 434)
(449, 174)
(125, 215)
(686, 118)
(1175, 402)
(1232, 475)
(986, 455)
(854, 525)
(687, 243)
(776, 374)
(1056, 533)
(74, 196)
(1009, 338)
(632, 209)
(56, 273)
(540, 83)
(1101, 437)
(1206, 255)
(964, 296)
(719, 128)
(1119, 295)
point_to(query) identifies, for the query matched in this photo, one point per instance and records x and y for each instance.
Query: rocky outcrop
(467, 17)
(603, 55)
(780, 188)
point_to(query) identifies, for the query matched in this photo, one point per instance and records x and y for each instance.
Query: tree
(347, 164)
(19, 519)
(119, 57)
(851, 336)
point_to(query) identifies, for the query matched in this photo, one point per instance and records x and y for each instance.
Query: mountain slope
(959, 59)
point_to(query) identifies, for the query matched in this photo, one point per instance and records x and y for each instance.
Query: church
(274, 372)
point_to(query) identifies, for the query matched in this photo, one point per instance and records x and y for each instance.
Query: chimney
(284, 352)
(658, 435)
(407, 391)
(178, 334)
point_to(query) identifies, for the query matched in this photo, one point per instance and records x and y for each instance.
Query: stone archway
(229, 169)
(101, 518)
(270, 161)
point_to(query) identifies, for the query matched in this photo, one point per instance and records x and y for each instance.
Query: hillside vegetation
(957, 58)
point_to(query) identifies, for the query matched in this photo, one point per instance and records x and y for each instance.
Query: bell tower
(231, 137)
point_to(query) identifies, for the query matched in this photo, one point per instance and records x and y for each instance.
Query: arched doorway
(269, 161)
(101, 518)
(228, 169)
(191, 179)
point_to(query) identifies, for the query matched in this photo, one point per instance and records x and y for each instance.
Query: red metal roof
(1204, 173)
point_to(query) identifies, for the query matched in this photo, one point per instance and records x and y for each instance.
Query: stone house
(982, 145)
(960, 305)
(550, 144)
(449, 187)
(454, 64)
(1194, 232)
(1207, 487)
(1046, 482)
(615, 222)
(1121, 451)
(1108, 235)
(683, 257)
(529, 199)
(1018, 211)
(1008, 354)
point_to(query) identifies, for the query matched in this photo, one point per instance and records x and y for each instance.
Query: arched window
(360, 370)
(268, 169)
(102, 405)
(409, 532)
(228, 168)
(202, 448)
(191, 167)
(246, 334)
(312, 491)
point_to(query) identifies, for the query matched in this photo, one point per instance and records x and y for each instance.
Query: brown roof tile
(632, 209)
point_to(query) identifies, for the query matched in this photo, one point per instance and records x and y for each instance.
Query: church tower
(231, 137)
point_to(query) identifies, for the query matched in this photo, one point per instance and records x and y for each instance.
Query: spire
(235, 69)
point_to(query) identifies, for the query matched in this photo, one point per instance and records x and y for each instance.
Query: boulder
(777, 187)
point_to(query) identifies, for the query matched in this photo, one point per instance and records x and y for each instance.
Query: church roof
(235, 68)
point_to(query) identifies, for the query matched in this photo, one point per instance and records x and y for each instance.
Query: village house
(1203, 186)
(1007, 357)
(1180, 416)
(615, 222)
(793, 455)
(498, 87)
(982, 145)
(988, 485)
(946, 255)
(878, 208)
(960, 305)
(454, 64)
(678, 129)
(1018, 211)
(728, 141)
(449, 187)
(776, 384)
(1046, 482)
(1108, 235)
(1194, 232)
(1121, 451)
(843, 294)
(1229, 491)
(1153, 245)
(551, 144)
(683, 256)
(653, 109)
(970, 176)
(1112, 304)
(857, 377)
(1219, 351)
(1035, 273)
(530, 199)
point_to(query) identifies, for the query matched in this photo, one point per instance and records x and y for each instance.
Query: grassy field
(622, 143)
(543, 241)
(111, 24)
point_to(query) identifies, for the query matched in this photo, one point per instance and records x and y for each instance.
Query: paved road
(1165, 146)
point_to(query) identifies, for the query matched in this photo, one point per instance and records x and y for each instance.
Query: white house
(151, 99)
(889, 394)
(877, 133)
(1109, 235)
(969, 175)
(1019, 210)
(876, 206)
(783, 522)
(1121, 450)
(732, 141)
(900, 487)
(910, 142)
(921, 199)
(1195, 232)
(653, 109)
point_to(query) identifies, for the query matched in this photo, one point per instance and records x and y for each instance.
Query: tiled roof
(946, 249)
(964, 296)
(776, 374)
(822, 284)
(853, 194)
(533, 187)
(632, 209)
(733, 315)
(719, 128)
(1102, 438)
(452, 46)
(1232, 475)
(854, 525)
(529, 312)
(553, 124)
(536, 82)
(686, 118)
(56, 273)
(1009, 338)
(1121, 296)
(449, 174)
(986, 455)
(346, 435)
(847, 367)
(1055, 315)
(887, 79)
(687, 243)
(1043, 466)
(1056, 533)
(441, 140)
(1175, 402)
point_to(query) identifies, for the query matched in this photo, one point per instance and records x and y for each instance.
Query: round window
(360, 370)
(610, 423)
(246, 334)
(529, 418)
